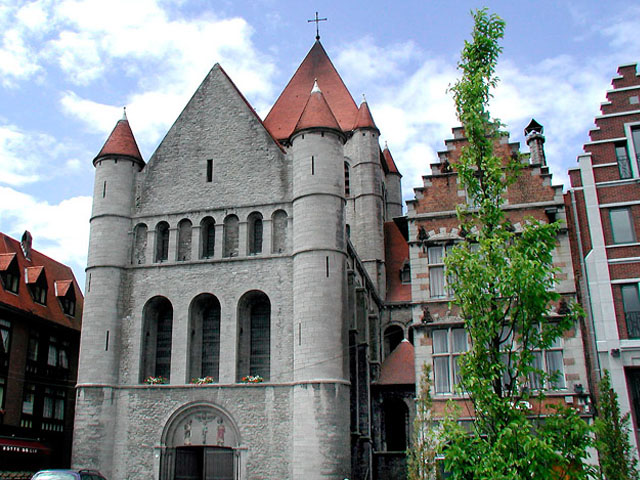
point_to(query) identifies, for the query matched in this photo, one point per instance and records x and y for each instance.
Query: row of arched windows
(207, 247)
(253, 342)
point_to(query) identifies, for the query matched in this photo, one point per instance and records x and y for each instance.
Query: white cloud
(60, 231)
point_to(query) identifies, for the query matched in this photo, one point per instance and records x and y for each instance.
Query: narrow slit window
(209, 170)
(327, 265)
(313, 166)
(104, 189)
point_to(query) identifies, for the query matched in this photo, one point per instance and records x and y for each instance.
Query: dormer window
(67, 296)
(37, 284)
(9, 272)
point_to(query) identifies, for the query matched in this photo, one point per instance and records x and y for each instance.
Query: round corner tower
(321, 391)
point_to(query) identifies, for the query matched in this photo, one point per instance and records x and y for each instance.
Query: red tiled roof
(317, 113)
(391, 165)
(282, 119)
(5, 260)
(121, 142)
(364, 119)
(55, 272)
(396, 251)
(398, 368)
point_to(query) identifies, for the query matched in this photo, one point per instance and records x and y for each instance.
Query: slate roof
(398, 368)
(283, 117)
(31, 270)
(121, 142)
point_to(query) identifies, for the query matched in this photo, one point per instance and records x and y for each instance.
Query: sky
(68, 67)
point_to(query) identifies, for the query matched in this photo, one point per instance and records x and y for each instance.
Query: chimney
(25, 243)
(535, 140)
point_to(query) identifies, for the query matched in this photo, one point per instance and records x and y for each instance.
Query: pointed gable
(398, 368)
(364, 119)
(121, 143)
(317, 113)
(283, 117)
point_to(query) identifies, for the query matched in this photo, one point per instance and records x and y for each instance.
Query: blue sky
(67, 67)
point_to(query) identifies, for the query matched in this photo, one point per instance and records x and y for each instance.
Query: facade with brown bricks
(434, 229)
(604, 207)
(40, 312)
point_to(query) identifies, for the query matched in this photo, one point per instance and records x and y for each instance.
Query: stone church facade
(235, 284)
(254, 292)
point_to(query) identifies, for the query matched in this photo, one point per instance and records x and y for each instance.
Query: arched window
(255, 233)
(347, 185)
(184, 240)
(157, 338)
(162, 242)
(254, 341)
(231, 236)
(139, 244)
(393, 335)
(396, 416)
(205, 337)
(279, 224)
(208, 237)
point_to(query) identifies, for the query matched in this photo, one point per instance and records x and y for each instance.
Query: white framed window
(438, 287)
(622, 225)
(448, 345)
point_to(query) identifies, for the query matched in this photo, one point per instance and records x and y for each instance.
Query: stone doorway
(204, 463)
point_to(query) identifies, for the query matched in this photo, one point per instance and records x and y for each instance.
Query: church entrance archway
(201, 442)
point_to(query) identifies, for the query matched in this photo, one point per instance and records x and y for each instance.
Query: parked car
(68, 475)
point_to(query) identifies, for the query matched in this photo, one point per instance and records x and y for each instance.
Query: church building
(236, 287)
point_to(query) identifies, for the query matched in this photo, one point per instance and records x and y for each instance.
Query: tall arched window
(255, 233)
(139, 244)
(157, 338)
(205, 337)
(208, 237)
(393, 335)
(162, 242)
(184, 240)
(279, 223)
(231, 224)
(347, 180)
(396, 416)
(254, 341)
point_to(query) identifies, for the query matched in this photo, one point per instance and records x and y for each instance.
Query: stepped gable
(281, 120)
(317, 113)
(398, 368)
(33, 268)
(391, 165)
(364, 119)
(121, 142)
(396, 251)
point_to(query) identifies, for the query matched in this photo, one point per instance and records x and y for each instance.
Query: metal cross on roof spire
(317, 21)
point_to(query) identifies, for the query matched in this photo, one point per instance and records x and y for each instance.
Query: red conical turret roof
(391, 165)
(364, 119)
(398, 368)
(317, 113)
(121, 143)
(283, 117)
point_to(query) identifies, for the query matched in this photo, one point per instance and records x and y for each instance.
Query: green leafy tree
(421, 457)
(617, 459)
(503, 286)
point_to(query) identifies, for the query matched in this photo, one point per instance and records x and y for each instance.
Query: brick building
(433, 229)
(40, 312)
(604, 207)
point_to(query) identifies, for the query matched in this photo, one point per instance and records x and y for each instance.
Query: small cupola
(121, 143)
(535, 139)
